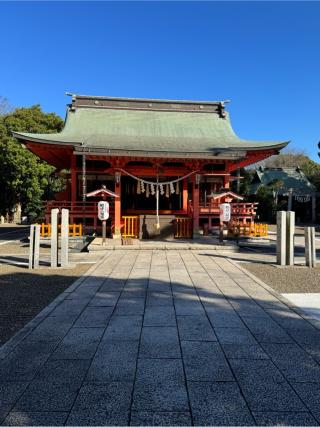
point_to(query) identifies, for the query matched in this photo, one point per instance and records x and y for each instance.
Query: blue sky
(264, 56)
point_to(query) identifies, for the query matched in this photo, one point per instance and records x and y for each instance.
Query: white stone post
(34, 247)
(310, 246)
(290, 223)
(281, 238)
(54, 237)
(64, 237)
(36, 258)
(313, 246)
(31, 245)
(307, 236)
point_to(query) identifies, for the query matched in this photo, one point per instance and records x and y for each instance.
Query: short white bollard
(290, 237)
(64, 237)
(310, 246)
(34, 247)
(281, 237)
(54, 237)
(285, 237)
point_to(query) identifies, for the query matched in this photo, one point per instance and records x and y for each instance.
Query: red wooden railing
(76, 208)
(237, 209)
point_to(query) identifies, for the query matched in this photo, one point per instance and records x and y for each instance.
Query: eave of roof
(124, 126)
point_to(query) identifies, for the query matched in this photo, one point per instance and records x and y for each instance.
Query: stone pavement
(163, 338)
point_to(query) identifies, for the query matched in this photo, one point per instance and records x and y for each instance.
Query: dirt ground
(298, 279)
(24, 293)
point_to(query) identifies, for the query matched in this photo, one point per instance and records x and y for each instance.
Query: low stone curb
(227, 248)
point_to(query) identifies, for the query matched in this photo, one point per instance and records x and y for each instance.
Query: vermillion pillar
(226, 181)
(73, 179)
(196, 210)
(185, 195)
(117, 210)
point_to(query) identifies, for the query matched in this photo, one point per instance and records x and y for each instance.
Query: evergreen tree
(24, 177)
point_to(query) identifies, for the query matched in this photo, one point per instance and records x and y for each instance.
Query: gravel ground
(24, 293)
(296, 279)
(299, 229)
(15, 248)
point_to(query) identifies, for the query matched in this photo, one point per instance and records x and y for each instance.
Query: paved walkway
(164, 337)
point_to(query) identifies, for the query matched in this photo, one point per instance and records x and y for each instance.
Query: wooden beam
(251, 158)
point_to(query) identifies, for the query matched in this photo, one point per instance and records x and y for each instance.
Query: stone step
(196, 244)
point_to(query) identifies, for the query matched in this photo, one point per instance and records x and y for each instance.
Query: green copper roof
(173, 130)
(286, 178)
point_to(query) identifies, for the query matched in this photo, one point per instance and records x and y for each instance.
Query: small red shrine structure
(185, 149)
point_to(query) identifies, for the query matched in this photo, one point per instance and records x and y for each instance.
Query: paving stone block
(98, 418)
(70, 307)
(104, 299)
(266, 330)
(235, 336)
(295, 364)
(123, 328)
(159, 299)
(218, 403)
(50, 329)
(159, 316)
(284, 419)
(271, 396)
(247, 307)
(45, 396)
(250, 371)
(159, 286)
(214, 300)
(94, 317)
(63, 371)
(23, 363)
(224, 318)
(31, 352)
(305, 337)
(10, 392)
(195, 328)
(159, 342)
(167, 396)
(244, 351)
(159, 370)
(36, 418)
(114, 361)
(157, 418)
(79, 343)
(197, 355)
(313, 349)
(113, 397)
(112, 285)
(130, 307)
(134, 292)
(288, 319)
(188, 308)
(309, 393)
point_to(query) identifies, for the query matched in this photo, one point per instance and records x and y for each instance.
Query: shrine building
(166, 162)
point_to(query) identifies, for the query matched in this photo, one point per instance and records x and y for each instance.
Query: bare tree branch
(5, 107)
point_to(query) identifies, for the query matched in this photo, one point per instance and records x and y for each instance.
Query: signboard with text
(103, 210)
(225, 212)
